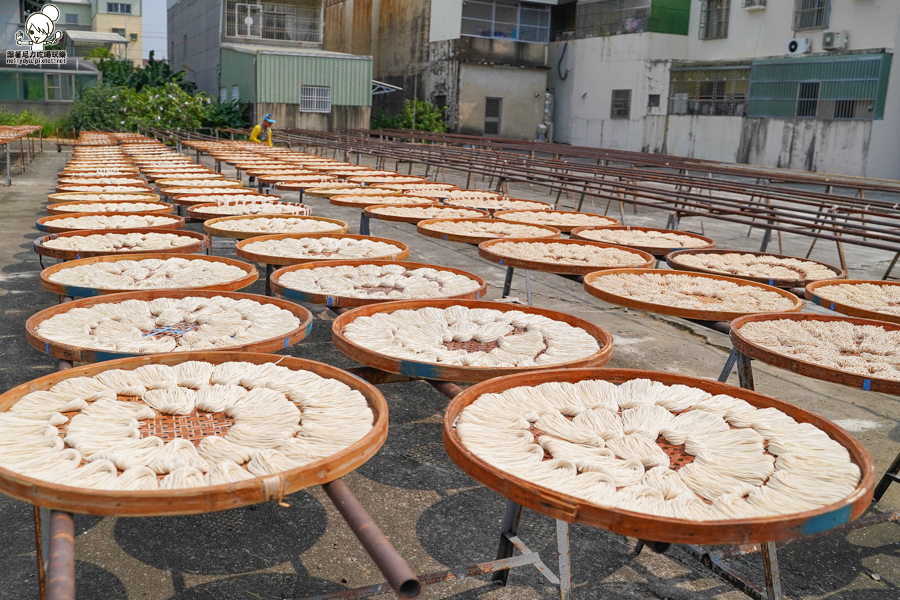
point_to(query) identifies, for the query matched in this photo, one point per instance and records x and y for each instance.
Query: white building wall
(446, 20)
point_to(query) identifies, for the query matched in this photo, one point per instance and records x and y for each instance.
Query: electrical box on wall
(834, 40)
(798, 46)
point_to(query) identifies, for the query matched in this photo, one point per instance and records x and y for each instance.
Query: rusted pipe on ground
(446, 388)
(720, 326)
(377, 376)
(61, 568)
(392, 566)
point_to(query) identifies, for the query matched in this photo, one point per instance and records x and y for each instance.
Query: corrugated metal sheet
(237, 69)
(279, 77)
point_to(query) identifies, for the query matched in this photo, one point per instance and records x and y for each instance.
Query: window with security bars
(492, 110)
(522, 21)
(621, 104)
(315, 99)
(288, 20)
(714, 19)
(811, 14)
(611, 17)
(753, 3)
(709, 90)
(846, 87)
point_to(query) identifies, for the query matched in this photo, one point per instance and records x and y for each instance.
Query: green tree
(416, 114)
(226, 114)
(120, 72)
(117, 108)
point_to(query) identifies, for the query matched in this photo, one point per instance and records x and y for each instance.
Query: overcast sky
(154, 26)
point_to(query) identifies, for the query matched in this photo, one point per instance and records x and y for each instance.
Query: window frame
(73, 21)
(540, 31)
(615, 106)
(60, 86)
(718, 29)
(493, 120)
(709, 90)
(120, 8)
(800, 11)
(315, 99)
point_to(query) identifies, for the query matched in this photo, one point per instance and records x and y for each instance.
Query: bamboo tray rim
(658, 251)
(405, 179)
(500, 214)
(684, 313)
(336, 301)
(80, 292)
(210, 225)
(421, 227)
(200, 243)
(288, 260)
(484, 251)
(160, 208)
(672, 261)
(441, 372)
(846, 309)
(198, 499)
(413, 220)
(193, 213)
(360, 200)
(55, 196)
(642, 525)
(340, 191)
(805, 367)
(461, 203)
(190, 199)
(217, 182)
(46, 223)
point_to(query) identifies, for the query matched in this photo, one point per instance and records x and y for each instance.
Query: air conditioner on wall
(798, 46)
(834, 40)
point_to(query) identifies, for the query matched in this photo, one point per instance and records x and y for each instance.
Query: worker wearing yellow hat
(263, 129)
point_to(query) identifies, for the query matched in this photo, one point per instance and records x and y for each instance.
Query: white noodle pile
(687, 291)
(421, 335)
(369, 200)
(867, 296)
(120, 242)
(752, 265)
(325, 248)
(599, 442)
(486, 229)
(645, 239)
(495, 203)
(104, 180)
(254, 208)
(349, 191)
(101, 197)
(554, 217)
(106, 189)
(111, 207)
(207, 191)
(287, 225)
(426, 212)
(392, 282)
(151, 273)
(197, 183)
(111, 222)
(266, 403)
(568, 254)
(867, 350)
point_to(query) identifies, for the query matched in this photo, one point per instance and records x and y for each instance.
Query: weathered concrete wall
(288, 116)
(496, 51)
(443, 79)
(522, 91)
(193, 38)
(394, 33)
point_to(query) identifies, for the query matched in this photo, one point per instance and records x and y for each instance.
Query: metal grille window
(235, 92)
(621, 104)
(714, 19)
(60, 87)
(71, 19)
(289, 20)
(492, 110)
(118, 7)
(811, 14)
(753, 3)
(709, 90)
(315, 99)
(846, 87)
(506, 19)
(611, 17)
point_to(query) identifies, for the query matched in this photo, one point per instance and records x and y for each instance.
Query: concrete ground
(436, 516)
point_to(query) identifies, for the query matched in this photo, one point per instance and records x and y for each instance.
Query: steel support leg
(889, 477)
(767, 235)
(61, 566)
(363, 224)
(269, 270)
(729, 365)
(890, 268)
(42, 547)
(565, 560)
(745, 372)
(528, 287)
(770, 567)
(507, 285)
(510, 529)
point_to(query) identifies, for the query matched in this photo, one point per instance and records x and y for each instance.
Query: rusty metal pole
(392, 566)
(446, 388)
(61, 568)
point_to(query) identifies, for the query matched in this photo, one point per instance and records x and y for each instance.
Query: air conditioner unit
(798, 46)
(834, 40)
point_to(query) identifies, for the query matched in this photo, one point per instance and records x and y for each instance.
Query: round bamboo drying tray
(685, 313)
(200, 243)
(846, 309)
(362, 201)
(474, 203)
(194, 199)
(642, 525)
(91, 355)
(421, 227)
(211, 229)
(182, 192)
(194, 211)
(114, 189)
(287, 260)
(386, 179)
(327, 192)
(68, 197)
(199, 499)
(108, 171)
(505, 215)
(656, 251)
(428, 186)
(281, 169)
(806, 368)
(673, 262)
(337, 301)
(485, 250)
(130, 180)
(273, 179)
(218, 181)
(154, 176)
(401, 219)
(76, 291)
(442, 372)
(47, 223)
(159, 208)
